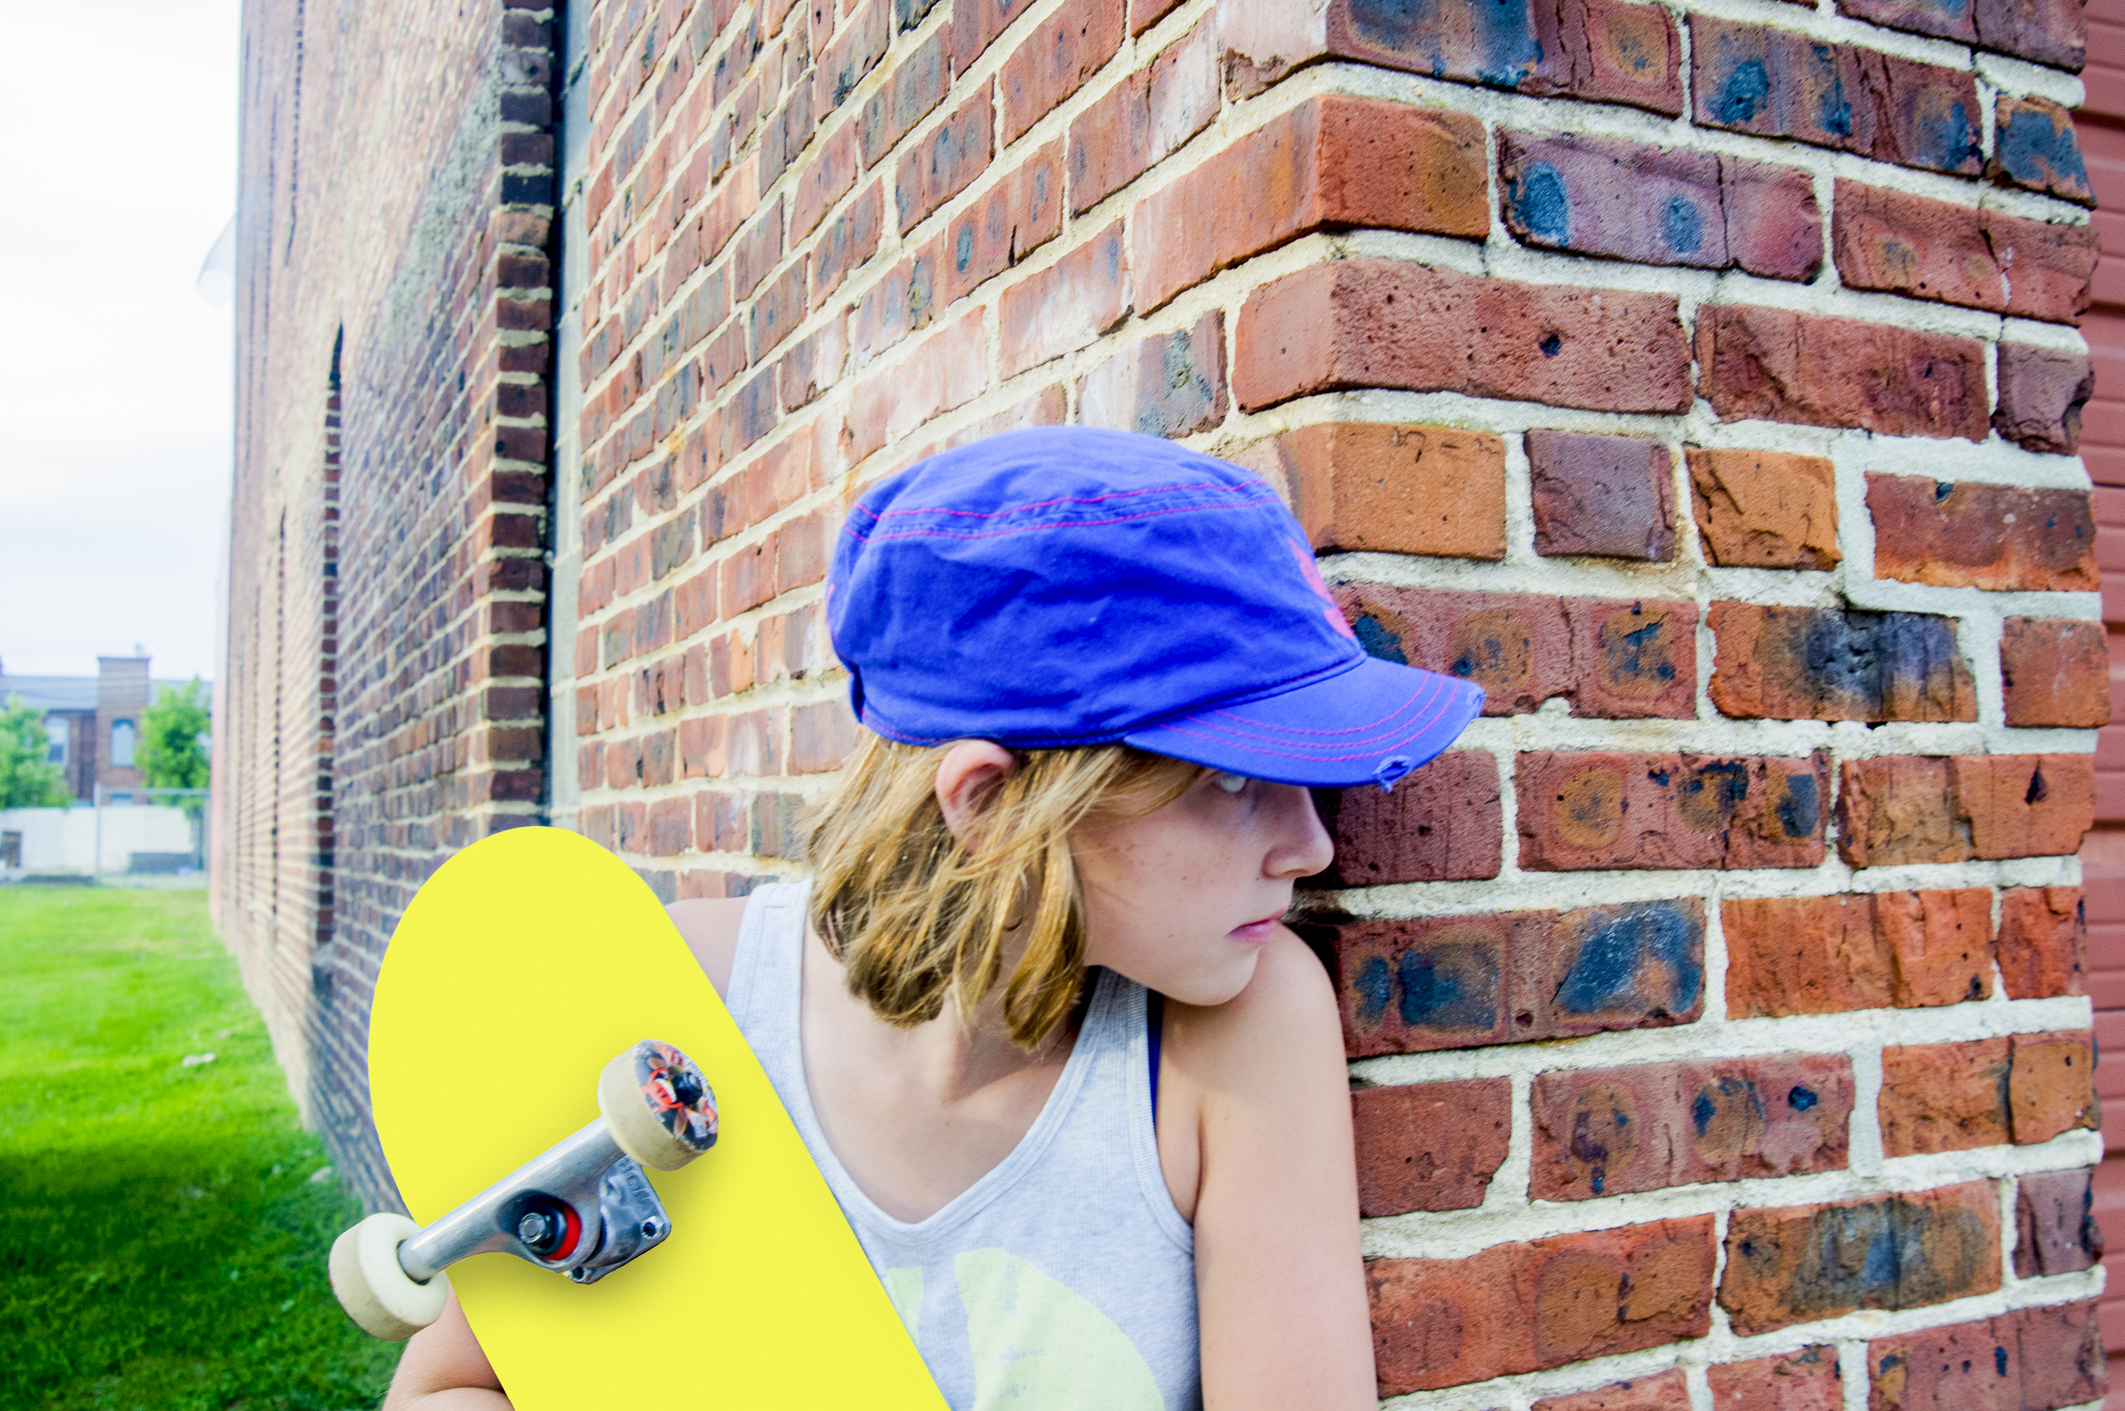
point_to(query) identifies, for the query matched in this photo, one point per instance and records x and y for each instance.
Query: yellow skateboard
(540, 1035)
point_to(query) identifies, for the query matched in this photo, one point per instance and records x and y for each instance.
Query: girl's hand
(1280, 1279)
(443, 1369)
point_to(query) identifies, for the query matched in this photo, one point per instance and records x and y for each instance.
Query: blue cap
(1068, 585)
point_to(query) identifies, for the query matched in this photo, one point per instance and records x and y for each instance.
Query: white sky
(114, 370)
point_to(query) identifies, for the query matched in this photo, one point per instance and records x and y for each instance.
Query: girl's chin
(1209, 987)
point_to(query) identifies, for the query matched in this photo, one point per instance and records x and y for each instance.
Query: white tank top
(1062, 1280)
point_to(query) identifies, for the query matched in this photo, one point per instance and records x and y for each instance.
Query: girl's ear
(967, 772)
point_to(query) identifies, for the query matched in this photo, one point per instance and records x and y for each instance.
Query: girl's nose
(1300, 846)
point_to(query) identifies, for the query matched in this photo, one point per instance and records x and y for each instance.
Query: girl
(1078, 1090)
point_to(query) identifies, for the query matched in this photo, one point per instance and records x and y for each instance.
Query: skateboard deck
(523, 964)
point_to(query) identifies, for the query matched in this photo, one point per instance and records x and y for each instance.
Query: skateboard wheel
(375, 1291)
(657, 1105)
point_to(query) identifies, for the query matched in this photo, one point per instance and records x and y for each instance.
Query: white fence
(131, 838)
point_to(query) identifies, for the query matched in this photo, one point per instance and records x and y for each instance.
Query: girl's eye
(1230, 783)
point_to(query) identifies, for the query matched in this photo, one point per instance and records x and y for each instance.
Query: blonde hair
(914, 915)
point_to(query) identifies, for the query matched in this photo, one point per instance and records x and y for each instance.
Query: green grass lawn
(161, 1242)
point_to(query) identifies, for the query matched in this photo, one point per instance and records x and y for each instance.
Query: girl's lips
(1257, 931)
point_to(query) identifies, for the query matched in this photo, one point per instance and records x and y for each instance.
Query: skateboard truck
(582, 1208)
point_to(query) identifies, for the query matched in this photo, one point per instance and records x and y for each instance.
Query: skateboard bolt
(535, 1228)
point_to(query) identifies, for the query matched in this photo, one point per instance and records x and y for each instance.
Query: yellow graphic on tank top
(1040, 1345)
(904, 1287)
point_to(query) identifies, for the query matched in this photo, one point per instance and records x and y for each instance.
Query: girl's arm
(443, 1368)
(1280, 1281)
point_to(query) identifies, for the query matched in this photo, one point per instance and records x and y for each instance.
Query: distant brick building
(93, 722)
(1703, 379)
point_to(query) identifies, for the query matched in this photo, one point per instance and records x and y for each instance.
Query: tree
(27, 778)
(172, 753)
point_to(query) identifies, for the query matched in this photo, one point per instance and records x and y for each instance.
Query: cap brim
(1371, 724)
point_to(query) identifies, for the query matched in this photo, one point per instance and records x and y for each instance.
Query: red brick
(752, 745)
(671, 824)
(1981, 259)
(1442, 823)
(1385, 488)
(2051, 32)
(1782, 83)
(824, 179)
(778, 310)
(1522, 1307)
(1837, 664)
(694, 686)
(1952, 1097)
(1764, 509)
(2054, 1223)
(2051, 1089)
(2034, 1359)
(1945, 1097)
(2043, 942)
(1388, 323)
(2042, 392)
(1807, 1380)
(822, 737)
(694, 604)
(978, 27)
(1939, 944)
(2034, 145)
(1896, 381)
(1512, 977)
(1594, 49)
(1608, 53)
(1332, 161)
(1581, 811)
(720, 821)
(1054, 61)
(1015, 217)
(1612, 496)
(1806, 1262)
(897, 305)
(783, 135)
(1659, 205)
(1430, 1146)
(1607, 1131)
(814, 363)
(1171, 384)
(1668, 1391)
(1905, 808)
(1612, 658)
(1145, 13)
(1043, 408)
(855, 49)
(757, 251)
(1918, 15)
(1144, 118)
(947, 369)
(722, 360)
(2055, 671)
(945, 162)
(1972, 535)
(1067, 305)
(916, 86)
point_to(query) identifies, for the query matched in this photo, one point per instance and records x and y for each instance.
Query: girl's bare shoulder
(710, 926)
(1287, 1012)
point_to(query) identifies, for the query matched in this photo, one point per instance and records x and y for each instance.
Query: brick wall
(385, 653)
(1702, 381)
